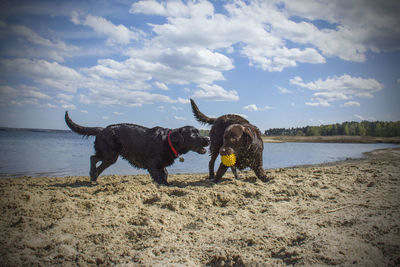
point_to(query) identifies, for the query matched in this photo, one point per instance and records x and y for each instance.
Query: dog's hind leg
(105, 163)
(159, 175)
(93, 170)
(235, 173)
(259, 171)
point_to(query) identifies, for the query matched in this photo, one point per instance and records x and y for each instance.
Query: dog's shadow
(206, 182)
(203, 182)
(76, 184)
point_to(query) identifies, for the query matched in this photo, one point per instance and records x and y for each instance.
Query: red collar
(171, 146)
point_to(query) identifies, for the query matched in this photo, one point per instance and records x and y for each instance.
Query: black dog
(152, 149)
(232, 134)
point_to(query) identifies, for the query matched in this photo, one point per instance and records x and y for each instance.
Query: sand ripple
(336, 214)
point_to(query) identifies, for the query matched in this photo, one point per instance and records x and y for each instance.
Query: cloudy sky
(278, 63)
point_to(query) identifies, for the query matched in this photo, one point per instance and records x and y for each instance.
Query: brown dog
(232, 134)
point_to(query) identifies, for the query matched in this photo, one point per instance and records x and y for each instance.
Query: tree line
(364, 128)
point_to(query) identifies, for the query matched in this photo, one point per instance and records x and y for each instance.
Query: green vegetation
(364, 128)
(204, 132)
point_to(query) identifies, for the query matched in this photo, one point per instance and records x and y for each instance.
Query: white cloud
(173, 8)
(278, 59)
(105, 117)
(179, 65)
(7, 91)
(21, 94)
(161, 86)
(264, 27)
(31, 35)
(36, 94)
(179, 118)
(50, 74)
(283, 90)
(195, 44)
(183, 100)
(118, 113)
(336, 88)
(318, 102)
(85, 99)
(343, 83)
(362, 118)
(65, 97)
(117, 34)
(148, 7)
(49, 105)
(84, 111)
(68, 106)
(253, 107)
(31, 44)
(359, 25)
(215, 93)
(176, 108)
(351, 104)
(16, 103)
(116, 96)
(193, 32)
(75, 18)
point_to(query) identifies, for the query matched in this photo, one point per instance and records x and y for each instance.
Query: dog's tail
(200, 116)
(87, 131)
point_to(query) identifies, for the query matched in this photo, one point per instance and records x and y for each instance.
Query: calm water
(66, 153)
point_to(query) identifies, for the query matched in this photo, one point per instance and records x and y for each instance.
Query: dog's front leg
(211, 165)
(159, 175)
(221, 171)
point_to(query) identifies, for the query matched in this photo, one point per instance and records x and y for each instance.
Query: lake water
(66, 153)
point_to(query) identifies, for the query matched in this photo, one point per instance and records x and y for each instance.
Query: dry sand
(345, 213)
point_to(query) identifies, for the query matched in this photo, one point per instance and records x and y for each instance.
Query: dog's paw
(163, 183)
(238, 177)
(267, 180)
(217, 180)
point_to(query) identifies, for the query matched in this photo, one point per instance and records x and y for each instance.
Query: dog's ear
(248, 132)
(176, 137)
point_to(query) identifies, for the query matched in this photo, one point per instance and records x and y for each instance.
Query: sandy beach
(345, 213)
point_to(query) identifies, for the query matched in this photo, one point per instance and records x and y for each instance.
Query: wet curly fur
(233, 134)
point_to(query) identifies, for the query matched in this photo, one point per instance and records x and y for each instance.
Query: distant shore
(267, 139)
(344, 213)
(331, 139)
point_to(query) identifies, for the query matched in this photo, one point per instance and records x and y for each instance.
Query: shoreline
(342, 213)
(331, 139)
(51, 174)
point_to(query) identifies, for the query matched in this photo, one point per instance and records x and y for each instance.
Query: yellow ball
(228, 160)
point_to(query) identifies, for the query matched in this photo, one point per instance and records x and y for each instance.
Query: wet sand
(345, 213)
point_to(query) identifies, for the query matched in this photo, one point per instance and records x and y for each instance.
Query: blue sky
(278, 63)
